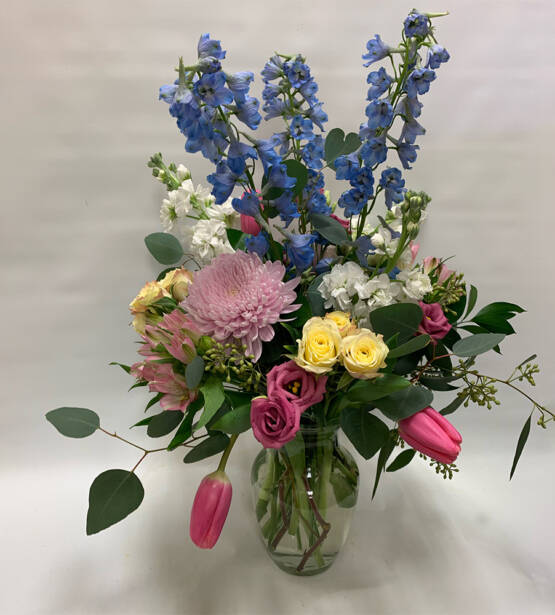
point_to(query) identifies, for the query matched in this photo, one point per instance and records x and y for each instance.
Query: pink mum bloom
(238, 297)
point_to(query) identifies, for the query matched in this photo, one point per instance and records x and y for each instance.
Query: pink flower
(238, 297)
(431, 433)
(290, 383)
(434, 322)
(249, 225)
(210, 509)
(414, 247)
(433, 264)
(274, 421)
(162, 379)
(344, 223)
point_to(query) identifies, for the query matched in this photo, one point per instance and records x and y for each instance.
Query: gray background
(80, 116)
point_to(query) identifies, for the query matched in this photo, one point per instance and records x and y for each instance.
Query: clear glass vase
(304, 495)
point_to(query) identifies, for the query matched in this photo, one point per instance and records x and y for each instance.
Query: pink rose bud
(431, 433)
(434, 322)
(210, 509)
(249, 225)
(274, 421)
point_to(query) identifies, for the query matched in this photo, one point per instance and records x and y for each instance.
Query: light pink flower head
(238, 297)
(431, 263)
(291, 383)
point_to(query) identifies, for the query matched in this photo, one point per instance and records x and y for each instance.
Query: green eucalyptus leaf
(74, 422)
(402, 460)
(329, 228)
(454, 405)
(213, 445)
(366, 432)
(314, 297)
(416, 343)
(165, 248)
(194, 372)
(213, 393)
(334, 144)
(477, 344)
(405, 403)
(520, 444)
(369, 390)
(113, 495)
(297, 170)
(401, 318)
(164, 423)
(238, 418)
(352, 143)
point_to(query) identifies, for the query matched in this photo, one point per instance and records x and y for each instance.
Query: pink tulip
(249, 225)
(210, 509)
(431, 433)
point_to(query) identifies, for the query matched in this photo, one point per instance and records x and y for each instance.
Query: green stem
(225, 456)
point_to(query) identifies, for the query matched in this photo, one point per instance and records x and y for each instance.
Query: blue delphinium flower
(297, 72)
(438, 55)
(301, 128)
(247, 112)
(210, 88)
(380, 81)
(300, 251)
(313, 153)
(353, 201)
(274, 107)
(363, 180)
(419, 81)
(209, 47)
(346, 166)
(364, 247)
(407, 154)
(377, 50)
(374, 151)
(324, 265)
(308, 90)
(248, 204)
(237, 155)
(416, 24)
(273, 69)
(224, 181)
(394, 186)
(411, 129)
(316, 203)
(318, 115)
(239, 84)
(281, 140)
(278, 178)
(258, 244)
(209, 65)
(286, 207)
(379, 113)
(266, 153)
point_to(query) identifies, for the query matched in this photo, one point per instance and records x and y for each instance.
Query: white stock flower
(339, 286)
(416, 284)
(209, 240)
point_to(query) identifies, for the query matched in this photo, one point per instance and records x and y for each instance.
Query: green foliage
(454, 405)
(164, 423)
(194, 372)
(337, 144)
(495, 317)
(238, 418)
(74, 422)
(165, 248)
(472, 297)
(329, 228)
(477, 344)
(401, 318)
(154, 401)
(297, 170)
(213, 393)
(416, 343)
(314, 297)
(214, 444)
(383, 457)
(366, 432)
(405, 403)
(125, 368)
(402, 460)
(520, 444)
(369, 390)
(235, 238)
(113, 495)
(184, 431)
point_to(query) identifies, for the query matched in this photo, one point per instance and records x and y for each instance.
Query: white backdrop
(80, 117)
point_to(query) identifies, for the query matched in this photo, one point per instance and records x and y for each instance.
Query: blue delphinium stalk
(376, 50)
(394, 186)
(300, 250)
(416, 24)
(258, 244)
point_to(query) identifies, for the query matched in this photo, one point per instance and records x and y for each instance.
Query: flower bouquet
(297, 315)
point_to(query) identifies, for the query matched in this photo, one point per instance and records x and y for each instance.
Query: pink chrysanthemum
(238, 297)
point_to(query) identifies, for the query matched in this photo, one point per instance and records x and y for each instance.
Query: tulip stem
(225, 456)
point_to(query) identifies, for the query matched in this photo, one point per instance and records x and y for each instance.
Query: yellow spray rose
(343, 322)
(320, 346)
(140, 306)
(177, 283)
(363, 354)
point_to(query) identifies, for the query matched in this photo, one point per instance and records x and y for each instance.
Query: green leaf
(238, 419)
(165, 248)
(437, 384)
(314, 297)
(154, 400)
(366, 432)
(213, 392)
(352, 143)
(495, 316)
(369, 390)
(302, 314)
(528, 360)
(234, 236)
(416, 343)
(113, 495)
(454, 405)
(194, 372)
(456, 309)
(164, 423)
(384, 455)
(344, 381)
(405, 403)
(402, 460)
(402, 318)
(139, 383)
(329, 228)
(184, 431)
(74, 422)
(163, 273)
(211, 446)
(477, 344)
(143, 422)
(472, 297)
(125, 368)
(299, 172)
(166, 304)
(520, 444)
(334, 145)
(344, 491)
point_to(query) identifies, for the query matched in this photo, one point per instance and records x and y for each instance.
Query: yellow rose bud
(343, 322)
(140, 306)
(320, 345)
(177, 283)
(363, 354)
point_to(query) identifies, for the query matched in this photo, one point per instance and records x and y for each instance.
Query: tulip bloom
(210, 509)
(249, 225)
(431, 433)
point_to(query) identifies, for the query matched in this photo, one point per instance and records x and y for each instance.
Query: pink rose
(289, 382)
(274, 421)
(434, 322)
(431, 433)
(210, 509)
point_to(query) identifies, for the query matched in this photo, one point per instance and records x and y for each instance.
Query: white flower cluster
(350, 289)
(192, 216)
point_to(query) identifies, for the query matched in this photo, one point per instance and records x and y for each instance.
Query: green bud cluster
(166, 174)
(232, 362)
(412, 207)
(479, 390)
(526, 372)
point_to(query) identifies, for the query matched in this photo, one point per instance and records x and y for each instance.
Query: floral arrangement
(292, 313)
